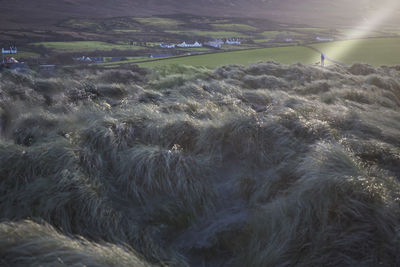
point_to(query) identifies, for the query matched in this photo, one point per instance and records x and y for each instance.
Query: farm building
(83, 59)
(186, 45)
(164, 45)
(115, 59)
(324, 39)
(233, 41)
(12, 50)
(215, 43)
(9, 60)
(13, 64)
(97, 59)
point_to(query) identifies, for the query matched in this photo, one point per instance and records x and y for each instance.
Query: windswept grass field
(260, 165)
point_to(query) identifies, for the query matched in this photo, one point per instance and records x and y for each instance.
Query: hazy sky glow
(368, 24)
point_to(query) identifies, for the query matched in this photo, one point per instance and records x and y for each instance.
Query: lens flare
(337, 51)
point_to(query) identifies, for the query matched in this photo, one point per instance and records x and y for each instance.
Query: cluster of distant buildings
(218, 43)
(182, 45)
(13, 50)
(215, 43)
(10, 62)
(6, 59)
(85, 59)
(324, 39)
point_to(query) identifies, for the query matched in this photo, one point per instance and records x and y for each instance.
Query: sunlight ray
(363, 30)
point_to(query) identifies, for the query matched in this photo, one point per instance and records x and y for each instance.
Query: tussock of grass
(27, 243)
(332, 195)
(361, 69)
(49, 86)
(121, 76)
(113, 90)
(268, 165)
(152, 170)
(264, 81)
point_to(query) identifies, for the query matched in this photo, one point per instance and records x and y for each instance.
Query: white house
(324, 39)
(164, 45)
(10, 60)
(233, 42)
(13, 50)
(215, 43)
(84, 59)
(185, 45)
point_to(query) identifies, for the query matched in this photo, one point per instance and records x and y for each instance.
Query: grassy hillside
(265, 165)
(43, 13)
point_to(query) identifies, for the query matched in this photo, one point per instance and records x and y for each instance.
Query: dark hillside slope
(269, 165)
(27, 13)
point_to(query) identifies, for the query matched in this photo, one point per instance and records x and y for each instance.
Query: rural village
(129, 47)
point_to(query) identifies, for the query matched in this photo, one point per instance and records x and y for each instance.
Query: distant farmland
(377, 51)
(286, 55)
(86, 46)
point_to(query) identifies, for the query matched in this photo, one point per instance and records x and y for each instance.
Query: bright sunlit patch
(361, 31)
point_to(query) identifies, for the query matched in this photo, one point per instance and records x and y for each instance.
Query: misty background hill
(19, 13)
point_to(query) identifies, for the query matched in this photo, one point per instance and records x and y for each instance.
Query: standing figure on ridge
(322, 60)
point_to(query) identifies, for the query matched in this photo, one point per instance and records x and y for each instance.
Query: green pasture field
(257, 41)
(194, 49)
(310, 30)
(85, 46)
(24, 54)
(393, 31)
(263, 41)
(159, 22)
(374, 51)
(82, 24)
(361, 32)
(210, 34)
(234, 27)
(130, 60)
(286, 55)
(238, 47)
(273, 34)
(126, 30)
